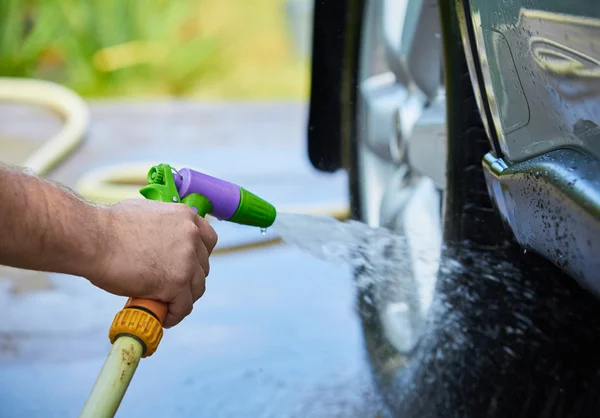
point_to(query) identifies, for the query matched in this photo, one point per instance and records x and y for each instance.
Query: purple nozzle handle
(224, 196)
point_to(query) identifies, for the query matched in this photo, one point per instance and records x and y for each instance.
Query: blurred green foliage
(108, 47)
(21, 42)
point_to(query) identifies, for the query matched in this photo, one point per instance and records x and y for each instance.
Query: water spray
(136, 330)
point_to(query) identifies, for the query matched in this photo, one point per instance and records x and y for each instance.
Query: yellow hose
(114, 379)
(60, 100)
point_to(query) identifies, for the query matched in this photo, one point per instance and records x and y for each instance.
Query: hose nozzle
(228, 201)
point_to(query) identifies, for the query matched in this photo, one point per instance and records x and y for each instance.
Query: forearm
(45, 227)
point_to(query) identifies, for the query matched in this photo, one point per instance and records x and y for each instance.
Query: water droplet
(263, 231)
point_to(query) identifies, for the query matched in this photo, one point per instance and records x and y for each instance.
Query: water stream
(384, 264)
(329, 239)
(489, 332)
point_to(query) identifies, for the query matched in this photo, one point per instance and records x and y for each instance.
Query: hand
(155, 250)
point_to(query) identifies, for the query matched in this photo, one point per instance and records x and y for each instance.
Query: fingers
(198, 285)
(179, 308)
(202, 253)
(207, 233)
(183, 303)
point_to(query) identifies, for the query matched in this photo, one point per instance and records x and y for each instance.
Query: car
(472, 129)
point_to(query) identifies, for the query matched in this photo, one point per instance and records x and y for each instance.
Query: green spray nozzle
(206, 194)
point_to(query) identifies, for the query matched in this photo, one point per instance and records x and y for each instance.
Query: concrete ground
(275, 335)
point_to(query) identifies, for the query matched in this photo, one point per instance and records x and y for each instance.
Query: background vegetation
(217, 49)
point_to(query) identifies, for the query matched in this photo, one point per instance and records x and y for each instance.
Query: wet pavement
(276, 334)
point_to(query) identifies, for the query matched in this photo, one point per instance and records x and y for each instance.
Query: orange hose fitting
(157, 308)
(139, 324)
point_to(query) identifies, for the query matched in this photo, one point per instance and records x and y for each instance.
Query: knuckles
(181, 278)
(205, 231)
(190, 232)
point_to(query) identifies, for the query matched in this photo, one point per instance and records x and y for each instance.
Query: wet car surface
(276, 334)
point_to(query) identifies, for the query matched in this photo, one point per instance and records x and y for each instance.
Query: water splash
(493, 325)
(382, 260)
(350, 243)
(379, 252)
(327, 238)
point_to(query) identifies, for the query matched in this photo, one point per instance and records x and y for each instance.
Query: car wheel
(460, 322)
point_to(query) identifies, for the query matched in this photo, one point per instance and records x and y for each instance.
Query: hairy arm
(46, 227)
(136, 248)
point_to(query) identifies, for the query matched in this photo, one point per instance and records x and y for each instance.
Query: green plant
(152, 47)
(169, 59)
(27, 28)
(107, 47)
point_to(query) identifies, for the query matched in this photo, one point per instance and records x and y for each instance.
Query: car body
(493, 107)
(535, 68)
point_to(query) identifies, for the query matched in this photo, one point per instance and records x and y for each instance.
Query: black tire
(508, 335)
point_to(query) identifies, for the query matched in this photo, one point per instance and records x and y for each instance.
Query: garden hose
(60, 100)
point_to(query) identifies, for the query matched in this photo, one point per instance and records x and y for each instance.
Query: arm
(46, 227)
(136, 248)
